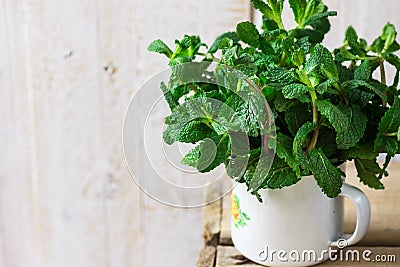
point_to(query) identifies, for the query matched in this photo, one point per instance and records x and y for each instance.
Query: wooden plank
(212, 216)
(117, 80)
(18, 243)
(228, 256)
(206, 257)
(225, 236)
(63, 70)
(390, 254)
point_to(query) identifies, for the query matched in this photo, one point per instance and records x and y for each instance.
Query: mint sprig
(328, 107)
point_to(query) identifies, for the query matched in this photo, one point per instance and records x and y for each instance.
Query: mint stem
(314, 138)
(390, 134)
(383, 76)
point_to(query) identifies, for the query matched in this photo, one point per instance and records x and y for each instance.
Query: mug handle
(360, 200)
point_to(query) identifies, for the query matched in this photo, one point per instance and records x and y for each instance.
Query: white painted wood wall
(67, 72)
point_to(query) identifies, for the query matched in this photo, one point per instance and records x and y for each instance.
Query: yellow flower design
(239, 217)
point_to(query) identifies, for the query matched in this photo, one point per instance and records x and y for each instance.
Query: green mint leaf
(273, 35)
(249, 111)
(301, 141)
(394, 47)
(328, 177)
(386, 144)
(334, 115)
(324, 87)
(268, 24)
(346, 55)
(228, 35)
(297, 116)
(388, 35)
(314, 36)
(396, 79)
(200, 108)
(327, 141)
(195, 131)
(378, 45)
(280, 175)
(317, 17)
(368, 171)
(294, 90)
(363, 72)
(354, 84)
(390, 122)
(169, 97)
(248, 33)
(361, 151)
(357, 123)
(284, 150)
(298, 7)
(263, 8)
(323, 25)
(208, 154)
(385, 166)
(349, 122)
(159, 46)
(352, 40)
(277, 76)
(283, 104)
(394, 60)
(321, 59)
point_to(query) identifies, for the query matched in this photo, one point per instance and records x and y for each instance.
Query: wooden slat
(381, 251)
(212, 216)
(18, 243)
(117, 83)
(63, 67)
(225, 236)
(228, 256)
(206, 257)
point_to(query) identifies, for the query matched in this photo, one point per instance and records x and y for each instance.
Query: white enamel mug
(296, 225)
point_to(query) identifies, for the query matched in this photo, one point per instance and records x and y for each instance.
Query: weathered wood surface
(225, 235)
(228, 256)
(67, 72)
(206, 257)
(212, 216)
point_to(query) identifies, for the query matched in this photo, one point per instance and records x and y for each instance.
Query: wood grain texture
(225, 235)
(116, 35)
(64, 67)
(67, 72)
(228, 256)
(18, 245)
(206, 257)
(212, 216)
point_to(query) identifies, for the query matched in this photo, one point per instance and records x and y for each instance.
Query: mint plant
(328, 107)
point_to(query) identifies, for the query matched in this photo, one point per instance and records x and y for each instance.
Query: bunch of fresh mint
(328, 108)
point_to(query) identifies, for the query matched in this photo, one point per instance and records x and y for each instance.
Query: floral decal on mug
(239, 217)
